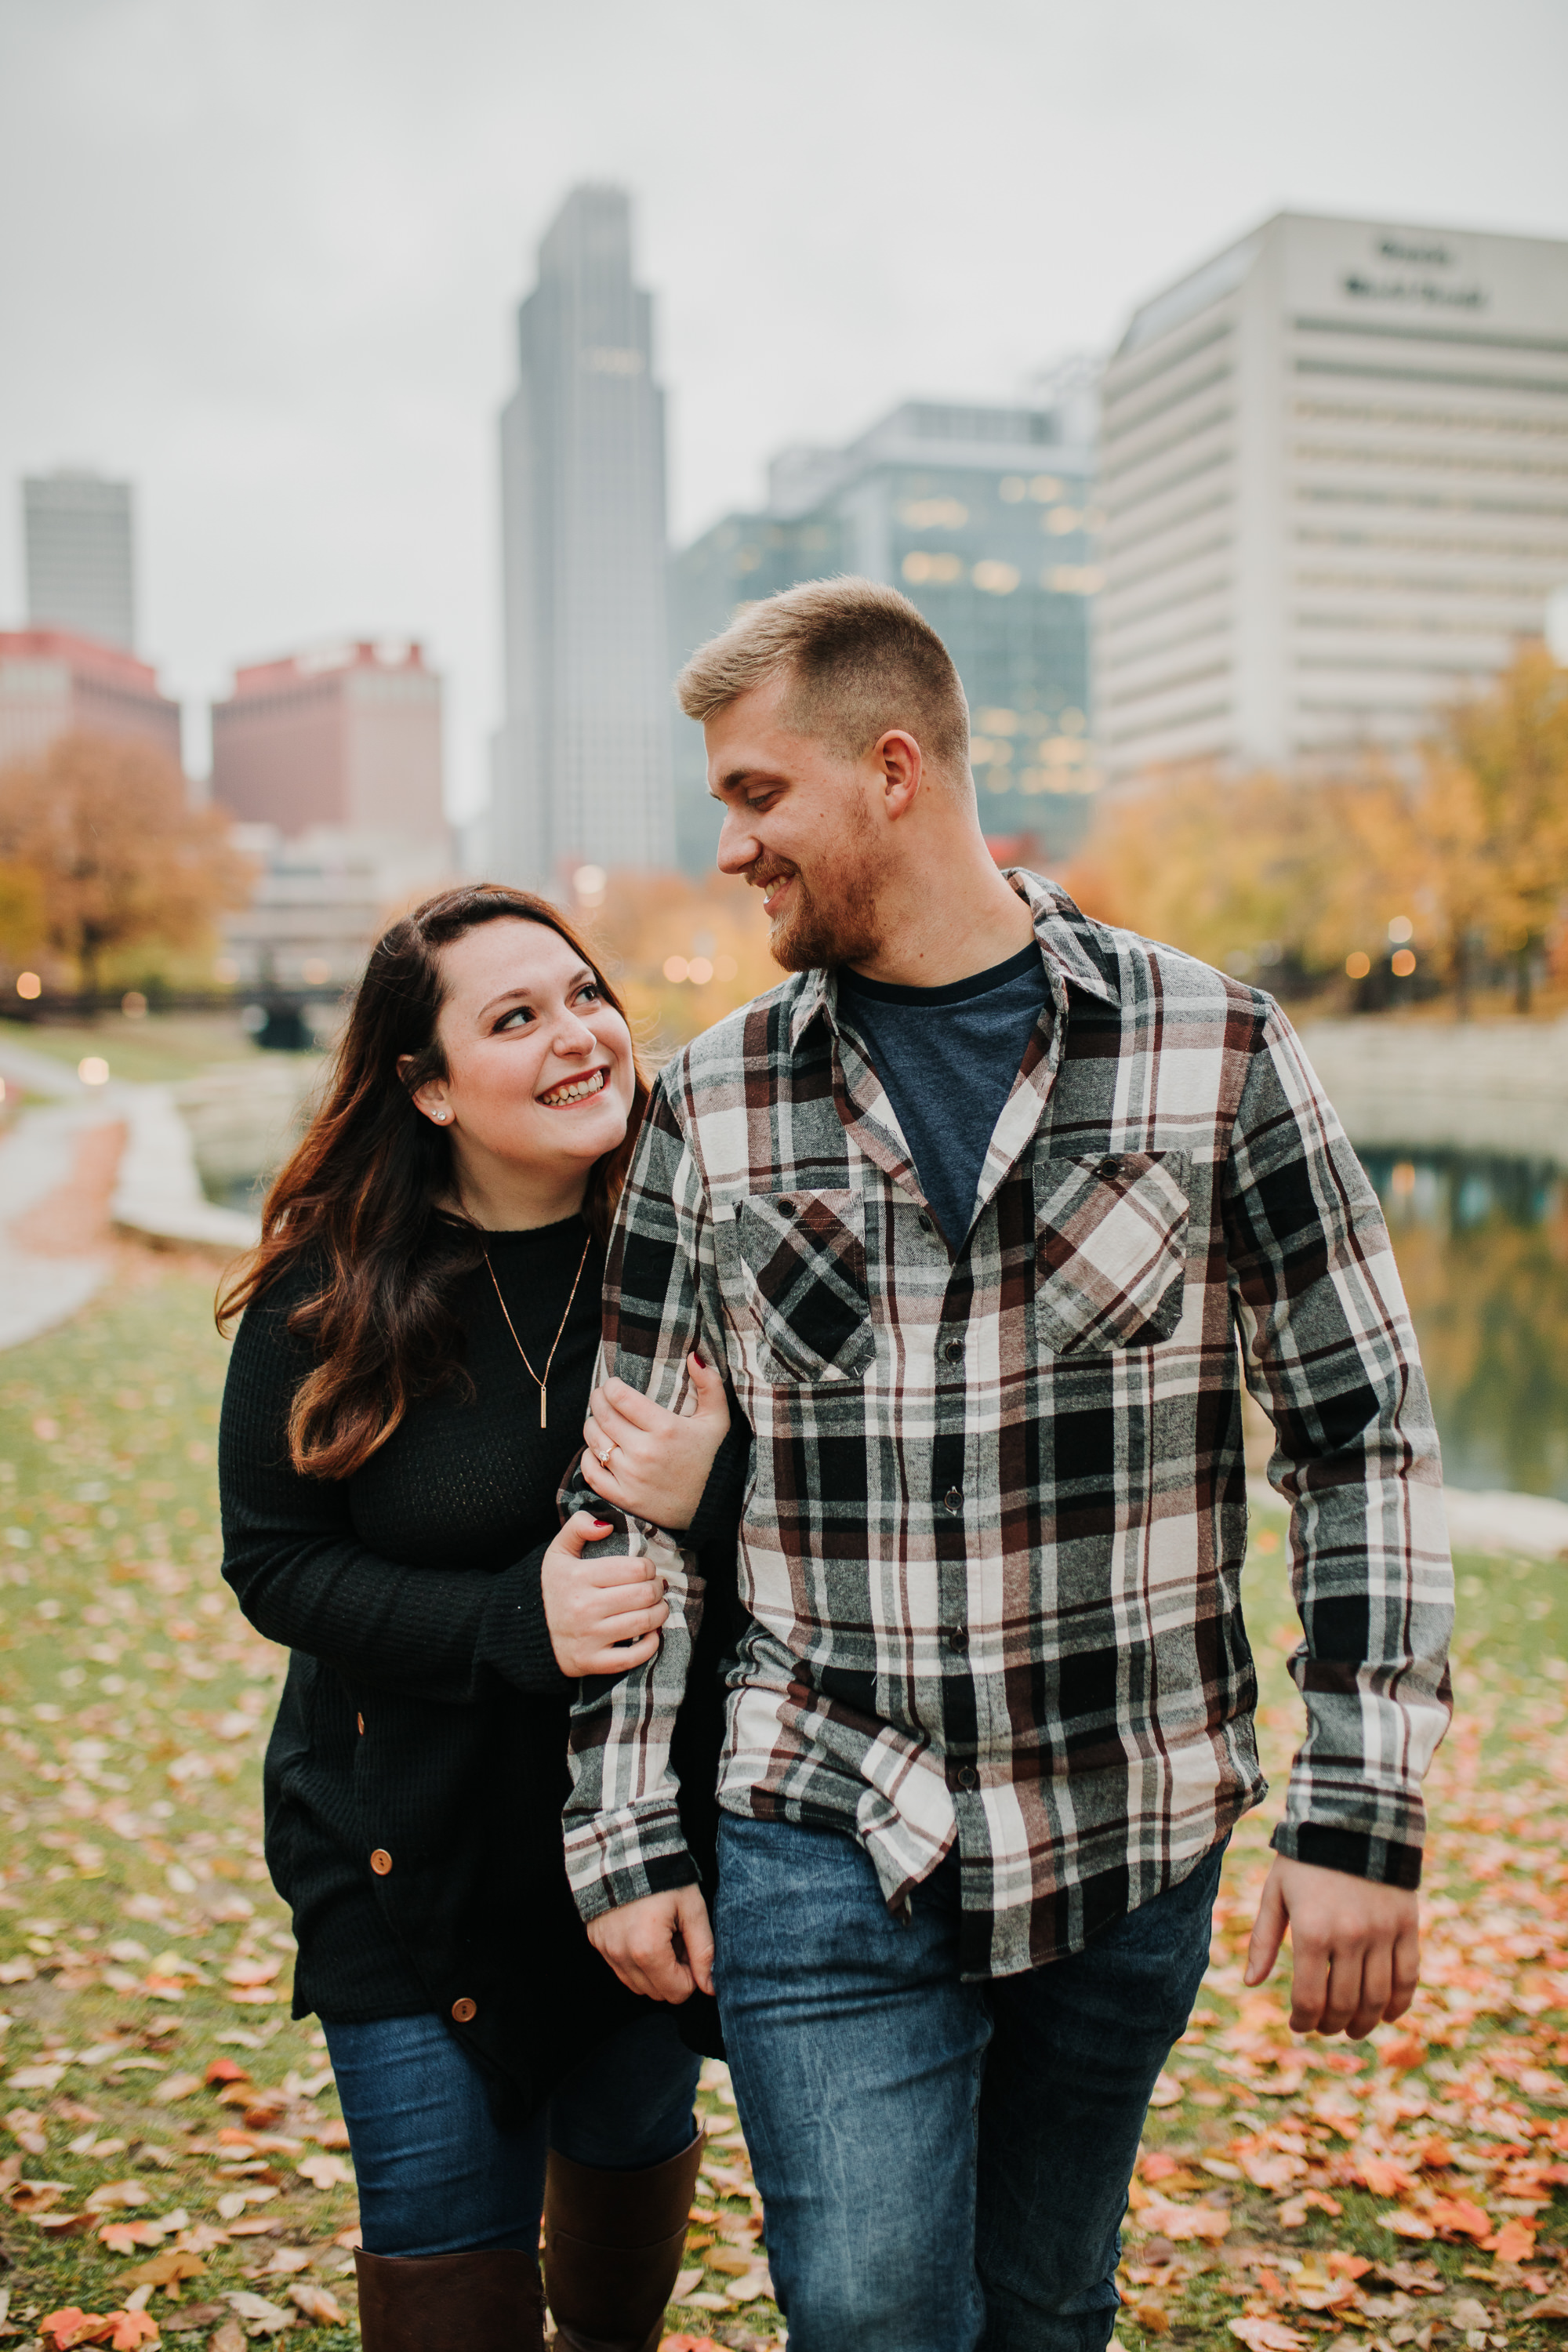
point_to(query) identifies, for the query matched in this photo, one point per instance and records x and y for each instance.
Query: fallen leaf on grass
(252, 1972)
(227, 2070)
(731, 2265)
(122, 2331)
(34, 2195)
(262, 2318)
(317, 2303)
(1268, 2334)
(333, 2133)
(229, 2337)
(684, 2281)
(325, 2172)
(287, 2261)
(1167, 2091)
(116, 2193)
(1409, 2225)
(175, 2086)
(1183, 2222)
(1514, 2242)
(1551, 2306)
(690, 2344)
(27, 2130)
(166, 2269)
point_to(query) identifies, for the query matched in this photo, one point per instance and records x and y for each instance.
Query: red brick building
(349, 738)
(54, 682)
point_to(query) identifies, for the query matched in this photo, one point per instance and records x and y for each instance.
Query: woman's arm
(304, 1578)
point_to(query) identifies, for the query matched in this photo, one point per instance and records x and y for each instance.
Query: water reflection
(1482, 1246)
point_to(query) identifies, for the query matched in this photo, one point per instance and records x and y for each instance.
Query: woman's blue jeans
(438, 2175)
(944, 2166)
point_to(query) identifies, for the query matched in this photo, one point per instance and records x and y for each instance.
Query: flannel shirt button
(925, 1223)
(952, 1502)
(958, 1637)
(953, 1351)
(966, 1777)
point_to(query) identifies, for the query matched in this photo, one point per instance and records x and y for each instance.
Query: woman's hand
(593, 1606)
(652, 1462)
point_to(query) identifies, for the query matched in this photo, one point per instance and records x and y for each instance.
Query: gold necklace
(541, 1384)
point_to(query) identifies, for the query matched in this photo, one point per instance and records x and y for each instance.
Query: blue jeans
(944, 2166)
(437, 2176)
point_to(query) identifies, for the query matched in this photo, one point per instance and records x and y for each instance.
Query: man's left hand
(1355, 1947)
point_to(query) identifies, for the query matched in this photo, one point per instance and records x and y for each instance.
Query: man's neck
(946, 927)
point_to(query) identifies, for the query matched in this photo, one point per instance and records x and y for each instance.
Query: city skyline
(301, 370)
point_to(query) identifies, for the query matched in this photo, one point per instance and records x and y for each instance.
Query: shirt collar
(1068, 940)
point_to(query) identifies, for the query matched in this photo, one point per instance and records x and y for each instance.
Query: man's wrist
(1357, 1853)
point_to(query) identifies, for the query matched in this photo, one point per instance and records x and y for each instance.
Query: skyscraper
(1334, 468)
(581, 762)
(80, 571)
(982, 513)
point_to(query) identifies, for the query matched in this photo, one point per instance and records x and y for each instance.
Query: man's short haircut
(861, 659)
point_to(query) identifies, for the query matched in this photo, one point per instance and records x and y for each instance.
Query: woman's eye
(591, 992)
(516, 1018)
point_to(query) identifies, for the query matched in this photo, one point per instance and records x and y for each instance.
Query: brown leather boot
(489, 2300)
(613, 2243)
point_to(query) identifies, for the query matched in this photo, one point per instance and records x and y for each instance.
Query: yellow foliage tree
(1470, 846)
(114, 852)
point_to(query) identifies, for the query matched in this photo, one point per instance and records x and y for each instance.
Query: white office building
(1334, 477)
(582, 762)
(80, 558)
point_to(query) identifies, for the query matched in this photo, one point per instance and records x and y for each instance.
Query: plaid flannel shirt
(994, 1525)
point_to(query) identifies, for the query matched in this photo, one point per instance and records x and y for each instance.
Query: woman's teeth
(575, 1090)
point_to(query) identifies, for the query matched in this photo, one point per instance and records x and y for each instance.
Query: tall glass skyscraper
(80, 571)
(982, 513)
(582, 762)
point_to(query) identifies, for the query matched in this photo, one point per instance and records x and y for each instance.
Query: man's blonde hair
(861, 659)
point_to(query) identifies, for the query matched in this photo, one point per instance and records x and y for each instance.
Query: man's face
(801, 824)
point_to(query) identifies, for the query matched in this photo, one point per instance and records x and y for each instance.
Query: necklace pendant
(542, 1406)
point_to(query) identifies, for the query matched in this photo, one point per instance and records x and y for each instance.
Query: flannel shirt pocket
(1110, 1249)
(802, 1276)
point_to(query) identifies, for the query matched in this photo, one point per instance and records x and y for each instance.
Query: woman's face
(539, 1066)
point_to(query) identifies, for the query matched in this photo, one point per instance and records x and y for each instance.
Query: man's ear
(902, 764)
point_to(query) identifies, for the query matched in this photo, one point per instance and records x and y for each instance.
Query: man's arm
(634, 1880)
(1328, 1351)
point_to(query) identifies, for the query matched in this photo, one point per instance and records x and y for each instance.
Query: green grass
(134, 1708)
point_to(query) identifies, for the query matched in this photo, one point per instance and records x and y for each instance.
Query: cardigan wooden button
(464, 2010)
(381, 1862)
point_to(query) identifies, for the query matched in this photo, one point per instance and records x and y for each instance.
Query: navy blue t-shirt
(948, 1057)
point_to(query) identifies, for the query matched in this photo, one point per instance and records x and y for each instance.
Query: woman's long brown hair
(359, 1200)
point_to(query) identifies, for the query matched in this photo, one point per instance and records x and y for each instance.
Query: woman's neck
(502, 1199)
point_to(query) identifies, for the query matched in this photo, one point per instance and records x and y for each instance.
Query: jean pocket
(1110, 1249)
(803, 1277)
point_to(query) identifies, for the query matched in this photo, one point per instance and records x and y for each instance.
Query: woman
(409, 1385)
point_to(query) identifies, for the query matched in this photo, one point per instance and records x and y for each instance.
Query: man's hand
(1355, 1946)
(661, 1945)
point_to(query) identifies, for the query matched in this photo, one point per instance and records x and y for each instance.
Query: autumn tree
(99, 838)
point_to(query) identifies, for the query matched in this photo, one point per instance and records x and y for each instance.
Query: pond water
(1482, 1248)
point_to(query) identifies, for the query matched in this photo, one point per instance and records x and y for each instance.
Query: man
(975, 1209)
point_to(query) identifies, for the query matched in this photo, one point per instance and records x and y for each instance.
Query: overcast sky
(262, 256)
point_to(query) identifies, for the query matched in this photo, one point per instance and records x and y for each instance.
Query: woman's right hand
(594, 1607)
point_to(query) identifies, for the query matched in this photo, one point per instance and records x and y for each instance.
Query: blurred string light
(700, 969)
(1404, 963)
(1401, 930)
(134, 1004)
(1357, 965)
(93, 1070)
(29, 985)
(590, 883)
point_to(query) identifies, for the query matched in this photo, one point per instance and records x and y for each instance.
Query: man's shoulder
(755, 1033)
(1141, 972)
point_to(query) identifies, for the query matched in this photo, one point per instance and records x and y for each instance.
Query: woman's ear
(431, 1098)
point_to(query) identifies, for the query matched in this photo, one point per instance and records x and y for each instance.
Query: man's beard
(835, 924)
